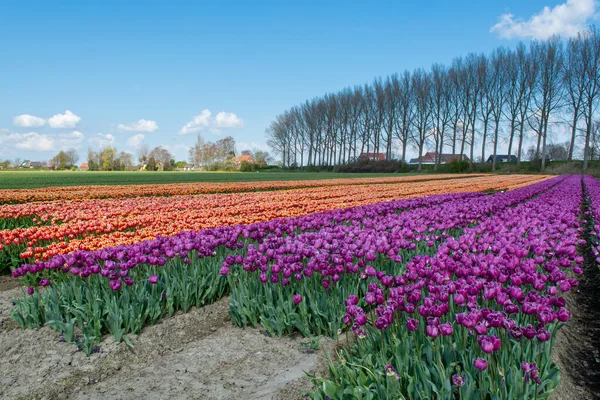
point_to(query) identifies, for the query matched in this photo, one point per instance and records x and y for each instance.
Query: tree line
(110, 159)
(507, 96)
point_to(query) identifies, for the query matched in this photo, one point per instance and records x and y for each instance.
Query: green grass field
(39, 179)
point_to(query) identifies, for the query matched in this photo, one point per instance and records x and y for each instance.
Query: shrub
(457, 165)
(373, 166)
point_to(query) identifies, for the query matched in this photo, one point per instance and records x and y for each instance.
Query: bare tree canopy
(505, 98)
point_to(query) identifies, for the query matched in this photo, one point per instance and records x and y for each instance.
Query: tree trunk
(573, 133)
(511, 137)
(520, 147)
(485, 126)
(497, 127)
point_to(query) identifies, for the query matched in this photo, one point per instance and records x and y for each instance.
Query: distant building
(244, 158)
(371, 157)
(31, 164)
(502, 158)
(84, 166)
(431, 157)
(185, 167)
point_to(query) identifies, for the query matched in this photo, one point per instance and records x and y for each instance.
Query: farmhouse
(244, 158)
(502, 158)
(431, 157)
(84, 166)
(30, 164)
(371, 157)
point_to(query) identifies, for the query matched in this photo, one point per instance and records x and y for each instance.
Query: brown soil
(578, 344)
(197, 355)
(201, 355)
(7, 282)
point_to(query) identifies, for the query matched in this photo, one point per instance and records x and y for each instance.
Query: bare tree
(590, 53)
(549, 56)
(574, 83)
(72, 156)
(486, 83)
(406, 113)
(441, 107)
(498, 93)
(516, 69)
(421, 84)
(142, 153)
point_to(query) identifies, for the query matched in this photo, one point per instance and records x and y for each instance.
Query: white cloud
(565, 19)
(200, 122)
(142, 125)
(65, 141)
(135, 140)
(102, 140)
(28, 121)
(75, 135)
(228, 120)
(205, 121)
(66, 120)
(33, 141)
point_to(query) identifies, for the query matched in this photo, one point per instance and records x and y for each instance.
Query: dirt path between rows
(577, 349)
(201, 355)
(197, 355)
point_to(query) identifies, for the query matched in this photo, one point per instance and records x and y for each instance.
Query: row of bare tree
(508, 96)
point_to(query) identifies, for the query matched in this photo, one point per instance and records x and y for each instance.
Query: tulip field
(444, 287)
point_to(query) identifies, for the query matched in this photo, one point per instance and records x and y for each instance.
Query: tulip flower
(458, 380)
(297, 298)
(480, 364)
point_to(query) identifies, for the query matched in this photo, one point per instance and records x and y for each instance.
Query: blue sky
(139, 72)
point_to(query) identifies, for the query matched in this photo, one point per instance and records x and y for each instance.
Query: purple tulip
(458, 380)
(30, 290)
(480, 364)
(432, 331)
(224, 270)
(480, 328)
(153, 279)
(44, 282)
(531, 372)
(115, 285)
(361, 319)
(487, 346)
(297, 298)
(543, 335)
(563, 315)
(412, 324)
(352, 299)
(391, 371)
(446, 329)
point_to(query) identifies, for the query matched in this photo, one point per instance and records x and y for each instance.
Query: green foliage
(27, 179)
(82, 310)
(424, 368)
(458, 166)
(246, 166)
(384, 166)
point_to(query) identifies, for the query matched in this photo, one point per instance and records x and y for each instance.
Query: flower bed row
(178, 189)
(119, 290)
(66, 226)
(477, 319)
(593, 216)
